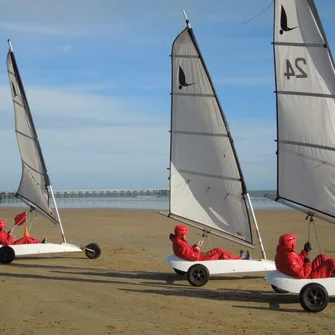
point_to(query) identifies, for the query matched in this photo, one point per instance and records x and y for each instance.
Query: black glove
(307, 260)
(307, 247)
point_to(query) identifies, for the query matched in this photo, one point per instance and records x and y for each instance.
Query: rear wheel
(313, 298)
(93, 251)
(198, 275)
(7, 254)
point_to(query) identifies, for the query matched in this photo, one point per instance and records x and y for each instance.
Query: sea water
(156, 203)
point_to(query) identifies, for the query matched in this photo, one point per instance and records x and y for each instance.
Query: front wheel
(7, 254)
(93, 251)
(313, 298)
(198, 275)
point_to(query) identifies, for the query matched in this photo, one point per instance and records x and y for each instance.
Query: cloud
(61, 108)
(66, 47)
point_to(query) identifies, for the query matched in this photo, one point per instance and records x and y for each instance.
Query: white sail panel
(33, 188)
(305, 85)
(206, 185)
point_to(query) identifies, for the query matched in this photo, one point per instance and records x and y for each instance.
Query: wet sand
(130, 290)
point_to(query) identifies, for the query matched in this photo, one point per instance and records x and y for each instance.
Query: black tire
(313, 298)
(7, 254)
(93, 251)
(179, 272)
(198, 275)
(278, 290)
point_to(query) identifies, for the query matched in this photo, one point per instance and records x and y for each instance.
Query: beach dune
(130, 290)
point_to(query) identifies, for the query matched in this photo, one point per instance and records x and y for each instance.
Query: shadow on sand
(161, 277)
(274, 300)
(163, 284)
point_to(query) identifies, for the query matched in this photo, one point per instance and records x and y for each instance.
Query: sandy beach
(130, 290)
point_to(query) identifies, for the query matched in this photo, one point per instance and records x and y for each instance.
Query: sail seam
(195, 95)
(30, 167)
(209, 175)
(307, 94)
(25, 135)
(198, 133)
(21, 105)
(317, 45)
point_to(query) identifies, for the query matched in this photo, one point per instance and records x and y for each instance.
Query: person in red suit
(299, 265)
(183, 250)
(8, 239)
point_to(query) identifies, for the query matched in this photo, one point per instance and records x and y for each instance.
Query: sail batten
(206, 182)
(309, 145)
(305, 103)
(317, 95)
(33, 187)
(198, 133)
(292, 44)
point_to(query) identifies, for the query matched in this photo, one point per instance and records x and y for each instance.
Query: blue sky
(97, 77)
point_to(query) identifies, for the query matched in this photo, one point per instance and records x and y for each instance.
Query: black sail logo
(182, 79)
(283, 22)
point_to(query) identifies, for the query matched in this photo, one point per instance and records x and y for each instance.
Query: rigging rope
(263, 11)
(317, 238)
(311, 221)
(309, 226)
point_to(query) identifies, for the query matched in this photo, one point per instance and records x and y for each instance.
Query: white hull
(43, 248)
(294, 285)
(223, 266)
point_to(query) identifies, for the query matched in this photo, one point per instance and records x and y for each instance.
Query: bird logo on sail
(182, 79)
(283, 22)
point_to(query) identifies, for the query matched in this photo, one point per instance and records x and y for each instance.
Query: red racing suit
(7, 239)
(192, 253)
(27, 240)
(293, 264)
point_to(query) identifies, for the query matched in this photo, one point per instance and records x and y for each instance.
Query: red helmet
(288, 241)
(2, 224)
(181, 230)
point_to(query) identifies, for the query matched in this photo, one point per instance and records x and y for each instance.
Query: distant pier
(109, 193)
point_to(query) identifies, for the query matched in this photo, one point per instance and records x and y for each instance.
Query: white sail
(305, 87)
(206, 183)
(33, 188)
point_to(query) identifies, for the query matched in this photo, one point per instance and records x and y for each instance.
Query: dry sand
(130, 290)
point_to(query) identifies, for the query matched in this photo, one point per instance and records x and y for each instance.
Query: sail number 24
(296, 69)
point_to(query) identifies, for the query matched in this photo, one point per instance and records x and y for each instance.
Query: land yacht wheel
(198, 275)
(92, 251)
(313, 298)
(7, 254)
